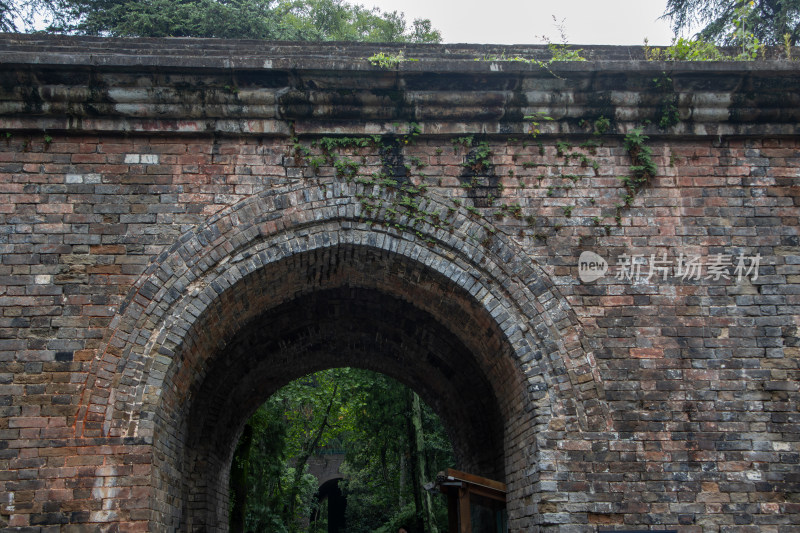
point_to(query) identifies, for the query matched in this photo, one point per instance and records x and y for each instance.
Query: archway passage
(348, 317)
(267, 292)
(337, 505)
(362, 328)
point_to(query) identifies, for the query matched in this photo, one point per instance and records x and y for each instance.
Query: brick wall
(156, 286)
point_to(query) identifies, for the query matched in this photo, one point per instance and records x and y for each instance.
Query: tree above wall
(772, 22)
(303, 20)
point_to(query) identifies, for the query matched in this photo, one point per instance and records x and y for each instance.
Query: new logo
(591, 267)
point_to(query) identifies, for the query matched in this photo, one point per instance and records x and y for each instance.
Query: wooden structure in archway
(475, 504)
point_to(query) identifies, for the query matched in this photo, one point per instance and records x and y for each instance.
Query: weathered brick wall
(156, 285)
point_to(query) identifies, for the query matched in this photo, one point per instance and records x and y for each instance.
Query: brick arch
(177, 325)
(325, 468)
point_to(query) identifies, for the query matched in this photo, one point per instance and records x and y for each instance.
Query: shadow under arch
(494, 349)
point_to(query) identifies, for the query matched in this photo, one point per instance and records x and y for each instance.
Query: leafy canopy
(16, 15)
(378, 485)
(344, 409)
(305, 20)
(724, 21)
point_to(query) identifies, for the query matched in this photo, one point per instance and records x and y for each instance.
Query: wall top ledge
(253, 54)
(183, 85)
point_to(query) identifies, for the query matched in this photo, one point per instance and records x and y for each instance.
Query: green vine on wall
(403, 203)
(642, 169)
(667, 109)
(404, 209)
(28, 143)
(479, 158)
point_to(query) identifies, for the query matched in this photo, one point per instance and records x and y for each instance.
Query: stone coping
(42, 49)
(183, 85)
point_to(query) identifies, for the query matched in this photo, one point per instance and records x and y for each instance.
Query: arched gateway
(187, 225)
(295, 280)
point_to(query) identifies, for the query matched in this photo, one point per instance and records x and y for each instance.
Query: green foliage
(466, 142)
(686, 50)
(479, 156)
(398, 202)
(316, 162)
(601, 126)
(643, 167)
(699, 50)
(10, 12)
(329, 144)
(253, 19)
(272, 456)
(414, 131)
(667, 111)
(309, 20)
(345, 168)
(377, 485)
(479, 159)
(317, 401)
(363, 413)
(22, 15)
(417, 161)
(738, 25)
(562, 52)
(384, 60)
(259, 470)
(330, 147)
(738, 22)
(558, 53)
(536, 119)
(562, 147)
(742, 35)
